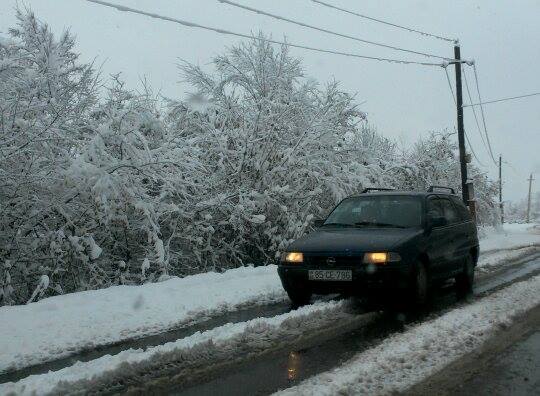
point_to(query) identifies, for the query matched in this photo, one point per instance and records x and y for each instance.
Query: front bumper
(365, 279)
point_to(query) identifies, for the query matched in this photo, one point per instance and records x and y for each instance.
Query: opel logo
(331, 261)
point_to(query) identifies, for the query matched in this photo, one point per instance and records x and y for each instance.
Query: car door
(438, 240)
(454, 234)
(466, 229)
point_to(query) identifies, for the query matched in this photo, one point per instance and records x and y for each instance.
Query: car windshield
(377, 211)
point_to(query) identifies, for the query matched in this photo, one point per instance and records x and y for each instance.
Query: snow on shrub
(127, 187)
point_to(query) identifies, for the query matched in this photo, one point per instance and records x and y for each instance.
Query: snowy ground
(511, 243)
(63, 325)
(193, 353)
(59, 326)
(405, 359)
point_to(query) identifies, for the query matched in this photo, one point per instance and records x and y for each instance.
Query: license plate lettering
(330, 275)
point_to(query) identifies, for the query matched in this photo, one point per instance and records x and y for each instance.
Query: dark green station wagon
(394, 243)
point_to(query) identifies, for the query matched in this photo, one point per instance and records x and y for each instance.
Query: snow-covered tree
(535, 207)
(515, 212)
(124, 187)
(434, 160)
(45, 98)
(132, 180)
(279, 150)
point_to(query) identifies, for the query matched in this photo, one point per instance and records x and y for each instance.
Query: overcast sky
(402, 101)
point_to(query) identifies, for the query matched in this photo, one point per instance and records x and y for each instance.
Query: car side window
(434, 208)
(450, 212)
(462, 210)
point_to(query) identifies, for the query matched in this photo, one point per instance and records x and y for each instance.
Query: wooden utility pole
(530, 179)
(460, 125)
(467, 198)
(501, 208)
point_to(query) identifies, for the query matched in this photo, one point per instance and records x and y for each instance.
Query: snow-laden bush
(434, 160)
(123, 188)
(278, 148)
(45, 99)
(135, 184)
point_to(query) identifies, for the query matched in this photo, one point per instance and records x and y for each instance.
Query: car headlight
(292, 257)
(381, 257)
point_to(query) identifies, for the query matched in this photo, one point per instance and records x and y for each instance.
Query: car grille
(340, 261)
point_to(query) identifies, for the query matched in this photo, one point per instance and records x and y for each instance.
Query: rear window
(383, 210)
(450, 211)
(462, 210)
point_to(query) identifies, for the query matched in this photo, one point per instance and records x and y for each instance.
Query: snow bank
(511, 236)
(60, 326)
(512, 242)
(221, 344)
(404, 359)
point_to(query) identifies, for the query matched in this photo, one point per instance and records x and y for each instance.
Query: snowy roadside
(514, 242)
(198, 351)
(510, 237)
(405, 359)
(60, 326)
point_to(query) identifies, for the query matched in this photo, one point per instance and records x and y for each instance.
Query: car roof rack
(434, 188)
(366, 190)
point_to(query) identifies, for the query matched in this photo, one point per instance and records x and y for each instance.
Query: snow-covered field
(404, 359)
(59, 326)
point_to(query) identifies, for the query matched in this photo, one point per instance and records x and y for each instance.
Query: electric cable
(482, 113)
(258, 11)
(474, 111)
(502, 100)
(228, 32)
(385, 22)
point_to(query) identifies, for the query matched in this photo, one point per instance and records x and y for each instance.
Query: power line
(501, 100)
(386, 23)
(228, 32)
(251, 9)
(482, 113)
(512, 167)
(450, 85)
(472, 150)
(465, 133)
(474, 112)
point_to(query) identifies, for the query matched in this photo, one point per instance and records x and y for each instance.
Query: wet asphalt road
(515, 372)
(506, 364)
(285, 368)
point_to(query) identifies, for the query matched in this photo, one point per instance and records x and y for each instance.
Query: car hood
(353, 240)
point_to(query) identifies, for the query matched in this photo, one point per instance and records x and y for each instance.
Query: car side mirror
(438, 221)
(317, 223)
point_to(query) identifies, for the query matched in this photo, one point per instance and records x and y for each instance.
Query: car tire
(465, 280)
(299, 296)
(420, 286)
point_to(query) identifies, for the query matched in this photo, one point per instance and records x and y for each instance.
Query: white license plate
(330, 275)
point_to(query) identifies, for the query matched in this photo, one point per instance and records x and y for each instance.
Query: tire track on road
(272, 372)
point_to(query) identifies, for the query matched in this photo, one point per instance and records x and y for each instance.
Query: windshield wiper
(338, 224)
(376, 224)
